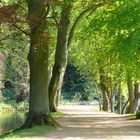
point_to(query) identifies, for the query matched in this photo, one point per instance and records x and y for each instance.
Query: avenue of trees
(99, 37)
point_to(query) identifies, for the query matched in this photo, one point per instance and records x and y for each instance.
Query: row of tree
(39, 21)
(100, 41)
(109, 52)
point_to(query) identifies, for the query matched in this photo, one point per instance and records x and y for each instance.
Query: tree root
(39, 120)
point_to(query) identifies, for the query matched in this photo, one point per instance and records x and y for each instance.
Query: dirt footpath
(83, 123)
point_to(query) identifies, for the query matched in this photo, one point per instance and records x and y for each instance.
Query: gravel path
(82, 123)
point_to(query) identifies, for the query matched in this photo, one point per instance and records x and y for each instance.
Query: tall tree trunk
(124, 107)
(60, 57)
(105, 100)
(57, 96)
(137, 97)
(106, 103)
(131, 107)
(99, 98)
(113, 89)
(111, 103)
(39, 113)
(119, 100)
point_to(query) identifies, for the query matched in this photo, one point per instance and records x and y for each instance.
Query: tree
(116, 38)
(64, 41)
(39, 113)
(60, 57)
(137, 96)
(131, 95)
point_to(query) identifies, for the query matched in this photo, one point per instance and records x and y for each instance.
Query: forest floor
(83, 123)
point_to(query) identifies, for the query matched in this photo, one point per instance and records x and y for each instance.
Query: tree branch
(20, 29)
(56, 21)
(47, 12)
(78, 19)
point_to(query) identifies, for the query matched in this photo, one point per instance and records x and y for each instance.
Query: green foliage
(8, 94)
(67, 96)
(77, 97)
(14, 46)
(15, 71)
(22, 106)
(6, 107)
(77, 87)
(11, 105)
(73, 81)
(120, 33)
(138, 115)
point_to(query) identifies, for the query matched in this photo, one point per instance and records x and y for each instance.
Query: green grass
(131, 116)
(57, 114)
(34, 131)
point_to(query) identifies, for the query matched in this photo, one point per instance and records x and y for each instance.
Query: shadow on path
(82, 123)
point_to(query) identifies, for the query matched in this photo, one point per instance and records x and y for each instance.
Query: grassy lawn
(34, 131)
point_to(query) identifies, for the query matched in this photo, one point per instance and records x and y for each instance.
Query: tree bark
(105, 101)
(131, 107)
(105, 92)
(99, 98)
(112, 93)
(105, 96)
(119, 100)
(137, 96)
(39, 113)
(124, 107)
(60, 57)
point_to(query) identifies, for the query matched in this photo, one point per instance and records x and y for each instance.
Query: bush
(77, 97)
(138, 115)
(6, 107)
(23, 106)
(12, 105)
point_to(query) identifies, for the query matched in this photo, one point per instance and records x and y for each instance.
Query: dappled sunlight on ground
(82, 123)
